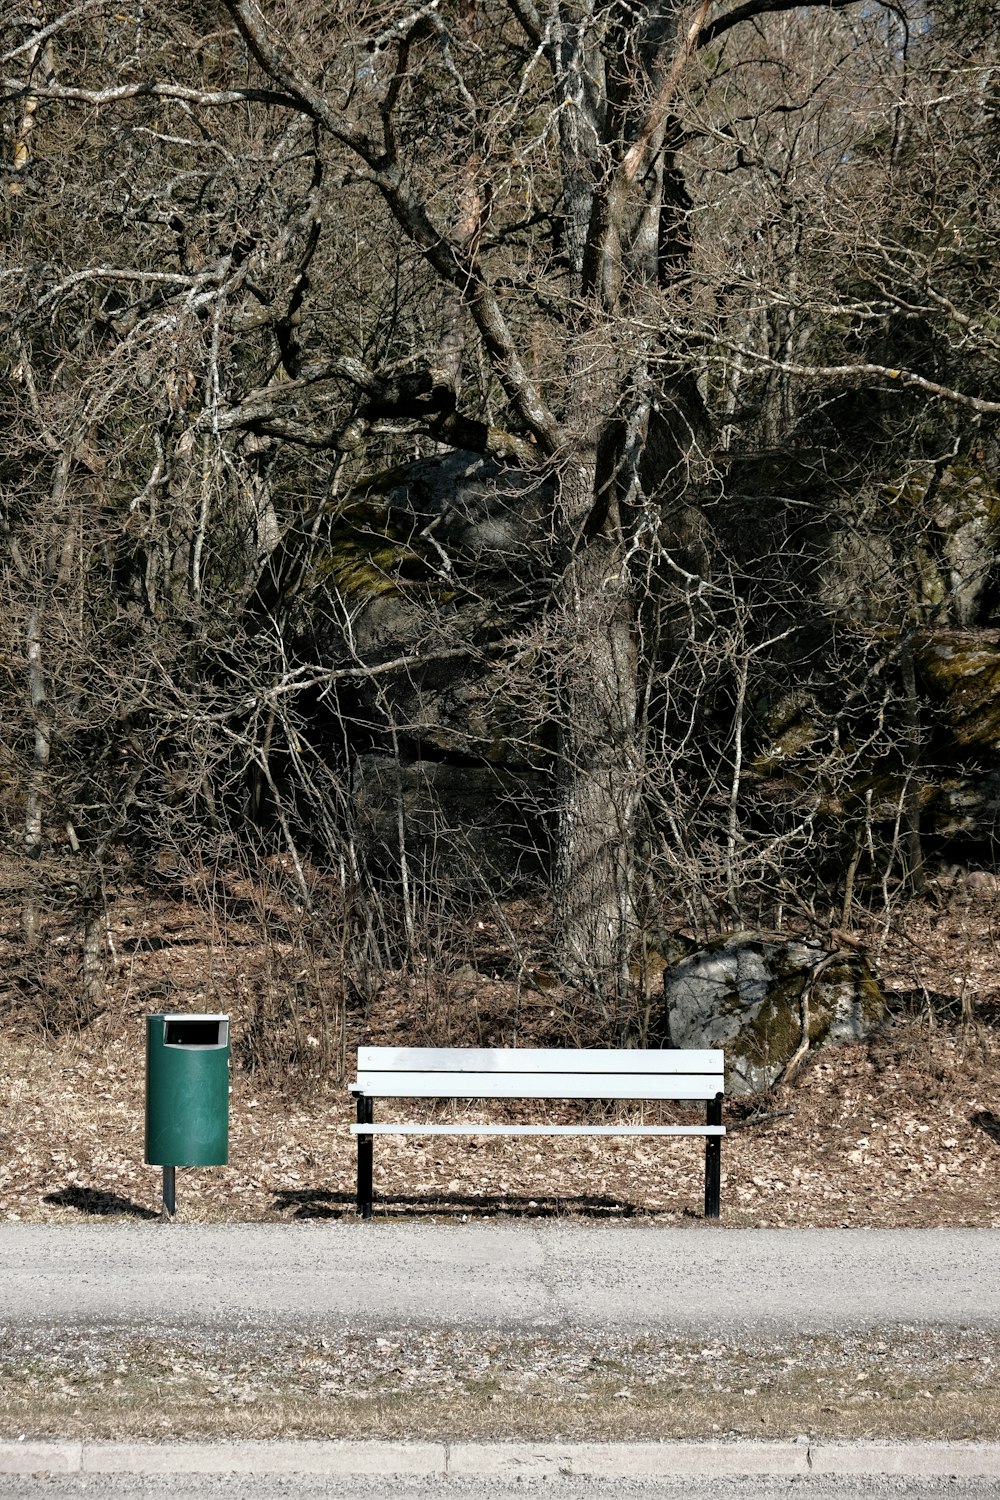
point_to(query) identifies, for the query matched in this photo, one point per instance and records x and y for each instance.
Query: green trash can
(187, 1091)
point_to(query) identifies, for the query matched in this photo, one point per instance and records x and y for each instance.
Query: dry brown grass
(926, 1384)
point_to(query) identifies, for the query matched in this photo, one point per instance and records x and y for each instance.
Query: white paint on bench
(538, 1085)
(538, 1060)
(537, 1073)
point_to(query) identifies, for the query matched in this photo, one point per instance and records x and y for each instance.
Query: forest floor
(900, 1130)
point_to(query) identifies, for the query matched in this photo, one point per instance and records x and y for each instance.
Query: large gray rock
(745, 994)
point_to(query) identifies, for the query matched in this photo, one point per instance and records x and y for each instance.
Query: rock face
(478, 512)
(423, 579)
(433, 560)
(962, 670)
(745, 994)
(463, 828)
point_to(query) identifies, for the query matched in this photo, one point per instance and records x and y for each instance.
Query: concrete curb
(465, 1460)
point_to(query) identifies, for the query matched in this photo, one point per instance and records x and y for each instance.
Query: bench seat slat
(396, 1129)
(539, 1060)
(465, 1085)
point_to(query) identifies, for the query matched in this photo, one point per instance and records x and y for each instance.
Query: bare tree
(712, 277)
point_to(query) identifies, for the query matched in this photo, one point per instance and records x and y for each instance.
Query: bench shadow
(316, 1204)
(98, 1203)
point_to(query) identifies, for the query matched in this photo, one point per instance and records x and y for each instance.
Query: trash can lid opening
(196, 1031)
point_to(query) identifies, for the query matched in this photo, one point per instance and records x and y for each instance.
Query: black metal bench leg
(713, 1160)
(366, 1154)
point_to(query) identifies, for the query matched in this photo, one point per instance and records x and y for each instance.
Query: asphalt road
(754, 1487)
(538, 1277)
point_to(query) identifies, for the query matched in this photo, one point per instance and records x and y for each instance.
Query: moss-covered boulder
(784, 728)
(753, 997)
(962, 671)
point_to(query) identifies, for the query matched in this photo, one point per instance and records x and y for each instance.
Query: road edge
(468, 1460)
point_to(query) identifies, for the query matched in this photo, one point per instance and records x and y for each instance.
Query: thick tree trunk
(598, 776)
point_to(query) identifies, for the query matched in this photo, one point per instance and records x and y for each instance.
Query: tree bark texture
(597, 761)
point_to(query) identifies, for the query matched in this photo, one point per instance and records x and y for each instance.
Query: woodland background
(487, 489)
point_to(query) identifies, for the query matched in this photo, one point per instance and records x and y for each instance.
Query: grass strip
(907, 1383)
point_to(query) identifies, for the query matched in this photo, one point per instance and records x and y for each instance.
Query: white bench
(537, 1073)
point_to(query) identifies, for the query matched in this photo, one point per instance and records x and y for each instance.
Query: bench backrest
(537, 1073)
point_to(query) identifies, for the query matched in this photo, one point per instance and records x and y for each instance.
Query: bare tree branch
(417, 392)
(899, 377)
(38, 38)
(754, 8)
(15, 89)
(452, 262)
(529, 18)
